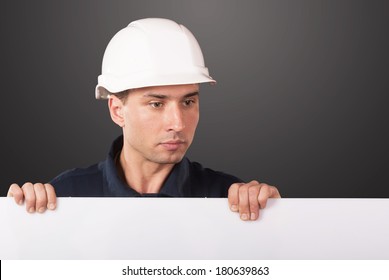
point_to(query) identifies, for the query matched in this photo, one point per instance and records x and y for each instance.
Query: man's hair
(122, 95)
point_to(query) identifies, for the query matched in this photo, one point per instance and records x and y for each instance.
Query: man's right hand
(38, 197)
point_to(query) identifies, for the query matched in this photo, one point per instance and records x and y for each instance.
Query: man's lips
(172, 145)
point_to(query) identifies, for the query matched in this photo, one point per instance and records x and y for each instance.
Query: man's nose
(175, 118)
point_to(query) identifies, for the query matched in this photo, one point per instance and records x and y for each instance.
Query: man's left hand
(248, 198)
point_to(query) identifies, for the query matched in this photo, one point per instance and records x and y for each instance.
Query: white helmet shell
(151, 52)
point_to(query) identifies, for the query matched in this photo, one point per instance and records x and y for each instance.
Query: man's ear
(115, 106)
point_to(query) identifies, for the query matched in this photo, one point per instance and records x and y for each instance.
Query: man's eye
(188, 102)
(156, 104)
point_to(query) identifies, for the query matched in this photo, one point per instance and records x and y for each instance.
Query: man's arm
(248, 198)
(38, 197)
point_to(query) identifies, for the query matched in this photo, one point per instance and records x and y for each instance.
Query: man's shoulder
(209, 181)
(73, 173)
(212, 174)
(79, 181)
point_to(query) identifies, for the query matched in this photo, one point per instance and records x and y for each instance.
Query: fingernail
(20, 202)
(31, 210)
(234, 208)
(244, 217)
(41, 210)
(252, 217)
(51, 206)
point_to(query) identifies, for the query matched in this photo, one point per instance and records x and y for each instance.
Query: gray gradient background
(301, 100)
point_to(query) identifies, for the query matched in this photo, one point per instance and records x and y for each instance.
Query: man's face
(160, 122)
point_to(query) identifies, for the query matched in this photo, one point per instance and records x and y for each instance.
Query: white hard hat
(151, 52)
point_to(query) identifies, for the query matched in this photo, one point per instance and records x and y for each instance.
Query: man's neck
(141, 175)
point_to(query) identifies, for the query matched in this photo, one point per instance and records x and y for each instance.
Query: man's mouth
(172, 145)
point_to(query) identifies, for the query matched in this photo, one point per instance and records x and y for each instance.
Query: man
(150, 75)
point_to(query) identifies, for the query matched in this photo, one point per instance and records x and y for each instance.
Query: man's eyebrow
(154, 95)
(162, 96)
(191, 94)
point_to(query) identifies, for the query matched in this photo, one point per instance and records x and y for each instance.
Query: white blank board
(195, 228)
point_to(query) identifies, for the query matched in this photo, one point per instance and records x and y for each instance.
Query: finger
(29, 196)
(253, 202)
(51, 197)
(16, 192)
(233, 196)
(265, 193)
(244, 204)
(275, 193)
(244, 208)
(40, 197)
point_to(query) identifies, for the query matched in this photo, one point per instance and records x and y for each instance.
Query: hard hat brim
(109, 84)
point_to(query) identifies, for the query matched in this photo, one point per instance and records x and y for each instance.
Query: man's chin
(170, 159)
